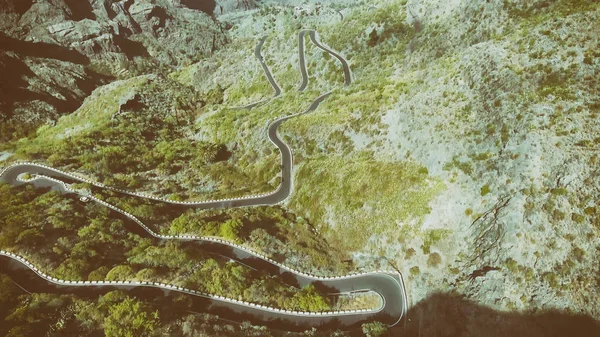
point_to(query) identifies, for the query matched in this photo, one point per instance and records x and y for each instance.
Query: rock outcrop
(77, 45)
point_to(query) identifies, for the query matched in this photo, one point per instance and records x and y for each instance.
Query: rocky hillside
(465, 152)
(53, 53)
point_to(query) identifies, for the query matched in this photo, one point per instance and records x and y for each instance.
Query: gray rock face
(228, 6)
(79, 44)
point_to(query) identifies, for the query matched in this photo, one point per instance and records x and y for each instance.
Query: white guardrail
(190, 291)
(199, 238)
(171, 287)
(137, 194)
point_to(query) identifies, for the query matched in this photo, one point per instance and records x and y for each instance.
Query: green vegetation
(271, 230)
(578, 218)
(115, 314)
(374, 329)
(308, 300)
(362, 195)
(434, 260)
(512, 265)
(559, 191)
(552, 279)
(485, 189)
(162, 139)
(410, 253)
(72, 240)
(536, 12)
(431, 237)
(130, 318)
(466, 167)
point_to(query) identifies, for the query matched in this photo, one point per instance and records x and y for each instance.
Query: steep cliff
(53, 53)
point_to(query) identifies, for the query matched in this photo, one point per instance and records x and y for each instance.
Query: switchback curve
(268, 74)
(394, 301)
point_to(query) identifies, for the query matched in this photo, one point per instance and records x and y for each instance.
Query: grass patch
(364, 196)
(94, 113)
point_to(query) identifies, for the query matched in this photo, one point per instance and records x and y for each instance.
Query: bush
(434, 260)
(130, 318)
(512, 266)
(485, 190)
(578, 218)
(410, 253)
(374, 329)
(98, 274)
(120, 273)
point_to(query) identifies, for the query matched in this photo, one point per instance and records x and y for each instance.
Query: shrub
(558, 191)
(485, 190)
(578, 218)
(578, 253)
(512, 266)
(374, 329)
(120, 273)
(551, 279)
(409, 253)
(434, 260)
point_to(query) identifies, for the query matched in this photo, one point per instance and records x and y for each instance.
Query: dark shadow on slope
(223, 154)
(439, 315)
(80, 9)
(206, 6)
(161, 14)
(14, 88)
(17, 6)
(42, 49)
(131, 48)
(446, 315)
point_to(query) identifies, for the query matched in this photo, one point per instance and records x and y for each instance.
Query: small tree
(130, 319)
(434, 260)
(374, 329)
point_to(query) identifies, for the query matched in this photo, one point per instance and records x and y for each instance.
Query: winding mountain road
(314, 36)
(268, 74)
(302, 60)
(388, 284)
(267, 71)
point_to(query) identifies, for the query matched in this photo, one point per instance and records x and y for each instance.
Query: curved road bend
(314, 36)
(37, 282)
(389, 286)
(282, 193)
(302, 61)
(267, 71)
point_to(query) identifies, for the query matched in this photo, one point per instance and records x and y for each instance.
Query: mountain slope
(54, 53)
